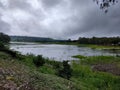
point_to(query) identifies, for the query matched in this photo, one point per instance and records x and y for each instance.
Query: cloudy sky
(61, 19)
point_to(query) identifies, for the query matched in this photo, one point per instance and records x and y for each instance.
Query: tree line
(99, 40)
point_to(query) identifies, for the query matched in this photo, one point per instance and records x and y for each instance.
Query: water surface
(57, 52)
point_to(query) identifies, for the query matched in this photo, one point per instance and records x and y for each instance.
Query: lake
(56, 51)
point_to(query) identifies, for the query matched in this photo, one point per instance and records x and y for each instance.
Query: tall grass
(95, 80)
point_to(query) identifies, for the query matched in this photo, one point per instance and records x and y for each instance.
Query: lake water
(57, 52)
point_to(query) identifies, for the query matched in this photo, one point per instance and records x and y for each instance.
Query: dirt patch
(110, 68)
(7, 81)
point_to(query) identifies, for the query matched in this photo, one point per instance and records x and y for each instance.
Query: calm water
(57, 52)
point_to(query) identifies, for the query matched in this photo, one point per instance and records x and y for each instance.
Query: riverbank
(60, 52)
(103, 47)
(20, 73)
(87, 74)
(92, 46)
(97, 72)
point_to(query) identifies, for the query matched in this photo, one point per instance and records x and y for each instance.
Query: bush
(66, 71)
(7, 50)
(2, 46)
(39, 61)
(4, 38)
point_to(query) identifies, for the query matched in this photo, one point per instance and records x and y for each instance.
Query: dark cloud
(51, 3)
(95, 23)
(22, 4)
(58, 18)
(1, 5)
(4, 27)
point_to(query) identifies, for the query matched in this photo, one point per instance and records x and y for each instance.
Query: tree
(100, 40)
(4, 38)
(105, 4)
(39, 61)
(66, 71)
(69, 40)
(2, 46)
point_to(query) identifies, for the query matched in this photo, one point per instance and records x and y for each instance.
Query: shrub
(39, 61)
(66, 71)
(4, 38)
(2, 46)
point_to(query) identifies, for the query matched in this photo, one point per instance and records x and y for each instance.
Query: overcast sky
(61, 19)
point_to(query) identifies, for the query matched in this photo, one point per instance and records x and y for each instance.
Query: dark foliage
(66, 71)
(100, 41)
(105, 4)
(14, 54)
(30, 39)
(57, 66)
(34, 39)
(4, 38)
(39, 61)
(2, 46)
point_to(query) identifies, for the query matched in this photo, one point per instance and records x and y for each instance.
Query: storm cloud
(61, 19)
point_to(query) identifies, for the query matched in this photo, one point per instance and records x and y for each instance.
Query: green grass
(42, 78)
(100, 46)
(83, 76)
(47, 69)
(98, 59)
(45, 78)
(95, 80)
(79, 56)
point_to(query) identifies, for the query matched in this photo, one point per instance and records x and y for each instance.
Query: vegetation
(34, 39)
(39, 61)
(97, 72)
(66, 71)
(30, 72)
(84, 74)
(105, 43)
(105, 4)
(23, 75)
(101, 47)
(115, 41)
(4, 38)
(94, 42)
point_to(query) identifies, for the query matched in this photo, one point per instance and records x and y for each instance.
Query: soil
(8, 82)
(110, 68)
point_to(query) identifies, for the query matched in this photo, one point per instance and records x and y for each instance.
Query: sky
(59, 19)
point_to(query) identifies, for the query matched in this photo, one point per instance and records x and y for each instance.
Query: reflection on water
(58, 52)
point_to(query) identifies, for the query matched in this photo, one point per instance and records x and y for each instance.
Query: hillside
(30, 39)
(15, 74)
(34, 39)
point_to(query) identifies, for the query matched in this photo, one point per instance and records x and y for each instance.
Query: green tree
(66, 71)
(4, 38)
(39, 61)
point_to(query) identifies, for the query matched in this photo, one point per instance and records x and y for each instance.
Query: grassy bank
(86, 73)
(21, 71)
(97, 72)
(108, 47)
